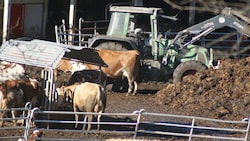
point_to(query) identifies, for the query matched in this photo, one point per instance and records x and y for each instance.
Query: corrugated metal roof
(42, 53)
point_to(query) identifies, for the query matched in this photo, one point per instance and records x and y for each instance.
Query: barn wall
(33, 28)
(26, 18)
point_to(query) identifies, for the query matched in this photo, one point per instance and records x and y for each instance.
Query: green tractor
(162, 59)
(138, 28)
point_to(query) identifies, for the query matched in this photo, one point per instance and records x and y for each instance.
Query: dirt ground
(222, 93)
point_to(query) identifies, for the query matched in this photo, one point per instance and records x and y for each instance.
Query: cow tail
(102, 97)
(73, 93)
(1, 100)
(137, 67)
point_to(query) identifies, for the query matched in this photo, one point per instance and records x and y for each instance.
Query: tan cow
(120, 64)
(89, 97)
(86, 97)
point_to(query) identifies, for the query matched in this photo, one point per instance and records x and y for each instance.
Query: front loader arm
(227, 18)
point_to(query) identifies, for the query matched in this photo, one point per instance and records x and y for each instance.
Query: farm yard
(213, 103)
(222, 93)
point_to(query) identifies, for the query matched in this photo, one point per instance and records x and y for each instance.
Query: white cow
(68, 66)
(11, 71)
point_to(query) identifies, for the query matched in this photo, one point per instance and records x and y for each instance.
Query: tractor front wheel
(187, 68)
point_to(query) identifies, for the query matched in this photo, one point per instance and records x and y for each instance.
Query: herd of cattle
(85, 91)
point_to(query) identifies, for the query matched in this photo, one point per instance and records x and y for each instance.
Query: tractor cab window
(118, 25)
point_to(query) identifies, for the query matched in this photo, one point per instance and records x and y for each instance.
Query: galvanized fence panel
(80, 35)
(132, 125)
(16, 131)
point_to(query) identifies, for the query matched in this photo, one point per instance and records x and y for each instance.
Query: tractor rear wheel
(111, 46)
(187, 68)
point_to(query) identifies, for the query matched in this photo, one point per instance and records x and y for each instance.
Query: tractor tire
(187, 68)
(111, 46)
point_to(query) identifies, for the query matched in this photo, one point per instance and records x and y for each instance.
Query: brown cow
(120, 64)
(15, 93)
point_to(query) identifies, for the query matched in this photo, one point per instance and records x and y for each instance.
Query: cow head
(65, 97)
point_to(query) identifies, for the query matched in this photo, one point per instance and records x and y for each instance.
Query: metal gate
(135, 125)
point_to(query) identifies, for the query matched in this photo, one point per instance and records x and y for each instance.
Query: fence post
(248, 126)
(192, 129)
(138, 121)
(80, 32)
(30, 117)
(27, 120)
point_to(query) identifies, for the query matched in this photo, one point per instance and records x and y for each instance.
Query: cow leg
(90, 119)
(98, 120)
(13, 113)
(76, 116)
(130, 87)
(135, 88)
(2, 115)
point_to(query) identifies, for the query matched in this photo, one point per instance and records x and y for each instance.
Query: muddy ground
(223, 93)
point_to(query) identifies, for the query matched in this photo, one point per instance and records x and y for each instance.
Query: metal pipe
(6, 18)
(71, 20)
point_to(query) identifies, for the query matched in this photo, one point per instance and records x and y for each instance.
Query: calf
(89, 97)
(120, 64)
(94, 76)
(65, 97)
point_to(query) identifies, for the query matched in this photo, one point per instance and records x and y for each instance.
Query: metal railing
(230, 44)
(14, 131)
(81, 34)
(132, 125)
